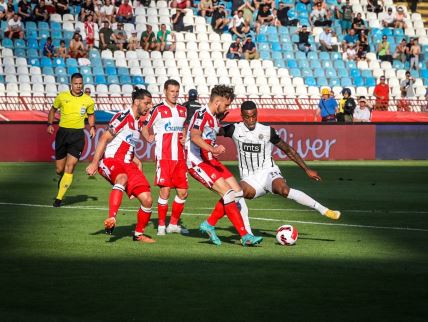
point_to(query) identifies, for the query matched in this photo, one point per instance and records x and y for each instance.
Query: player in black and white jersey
(259, 173)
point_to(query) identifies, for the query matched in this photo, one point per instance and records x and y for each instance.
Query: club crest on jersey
(252, 147)
(260, 136)
(131, 140)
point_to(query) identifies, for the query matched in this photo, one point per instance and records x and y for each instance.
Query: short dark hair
(222, 91)
(140, 93)
(248, 105)
(76, 75)
(171, 82)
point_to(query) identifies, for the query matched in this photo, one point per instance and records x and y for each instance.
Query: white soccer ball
(287, 235)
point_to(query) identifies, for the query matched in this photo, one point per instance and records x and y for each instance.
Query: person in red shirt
(381, 92)
(125, 13)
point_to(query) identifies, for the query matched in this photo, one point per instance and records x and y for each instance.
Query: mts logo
(250, 147)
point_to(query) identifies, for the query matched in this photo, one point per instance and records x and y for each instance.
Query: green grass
(58, 265)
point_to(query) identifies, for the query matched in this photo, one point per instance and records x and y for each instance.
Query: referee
(74, 107)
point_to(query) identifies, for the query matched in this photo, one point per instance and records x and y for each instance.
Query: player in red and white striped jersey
(116, 148)
(202, 153)
(167, 122)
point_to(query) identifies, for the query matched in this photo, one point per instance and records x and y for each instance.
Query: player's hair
(171, 82)
(222, 91)
(140, 93)
(248, 106)
(76, 75)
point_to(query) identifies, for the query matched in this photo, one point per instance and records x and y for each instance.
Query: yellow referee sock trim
(64, 184)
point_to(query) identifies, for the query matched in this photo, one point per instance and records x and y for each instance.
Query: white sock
(303, 199)
(242, 205)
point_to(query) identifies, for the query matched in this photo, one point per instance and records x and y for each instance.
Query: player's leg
(115, 200)
(143, 217)
(66, 178)
(280, 187)
(163, 209)
(179, 181)
(240, 201)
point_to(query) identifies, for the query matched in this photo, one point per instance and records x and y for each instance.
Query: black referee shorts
(69, 141)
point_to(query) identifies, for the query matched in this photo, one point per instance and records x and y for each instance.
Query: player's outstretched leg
(115, 201)
(143, 217)
(177, 210)
(243, 209)
(162, 212)
(303, 199)
(208, 225)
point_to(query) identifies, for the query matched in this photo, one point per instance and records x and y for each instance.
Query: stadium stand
(199, 61)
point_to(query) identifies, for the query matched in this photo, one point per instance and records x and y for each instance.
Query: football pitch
(372, 265)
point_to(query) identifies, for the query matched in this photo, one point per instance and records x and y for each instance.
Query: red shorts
(171, 173)
(209, 172)
(110, 168)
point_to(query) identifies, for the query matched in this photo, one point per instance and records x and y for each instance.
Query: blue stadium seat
(43, 34)
(295, 72)
(138, 80)
(263, 46)
(68, 35)
(324, 55)
(355, 72)
(322, 81)
(414, 73)
(335, 56)
(58, 62)
(295, 38)
(345, 82)
(387, 31)
(112, 79)
(351, 64)
(72, 69)
(300, 7)
(300, 55)
(122, 71)
(288, 55)
(271, 30)
(46, 62)
(88, 79)
(366, 73)
(47, 70)
(370, 81)
(303, 63)
(283, 30)
(108, 62)
(34, 61)
(60, 71)
(42, 25)
(272, 37)
(319, 72)
(1, 79)
(55, 26)
(264, 54)
(7, 43)
(98, 71)
(315, 64)
(310, 81)
(312, 55)
(100, 79)
(276, 46)
(71, 62)
(287, 46)
(85, 70)
(261, 38)
(291, 63)
(19, 43)
(339, 64)
(342, 72)
(32, 43)
(96, 62)
(424, 73)
(398, 32)
(29, 26)
(125, 79)
(31, 52)
(306, 72)
(330, 72)
(284, 38)
(334, 81)
(20, 52)
(56, 34)
(94, 54)
(110, 70)
(279, 63)
(358, 81)
(62, 79)
(326, 63)
(276, 55)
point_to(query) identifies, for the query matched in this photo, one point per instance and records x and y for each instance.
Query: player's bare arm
(51, 117)
(92, 168)
(146, 134)
(196, 137)
(91, 121)
(295, 157)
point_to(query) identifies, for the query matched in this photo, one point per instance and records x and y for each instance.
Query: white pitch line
(254, 218)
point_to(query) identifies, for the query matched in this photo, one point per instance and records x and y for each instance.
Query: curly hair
(140, 93)
(222, 91)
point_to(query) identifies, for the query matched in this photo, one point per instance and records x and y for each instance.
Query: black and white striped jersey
(254, 146)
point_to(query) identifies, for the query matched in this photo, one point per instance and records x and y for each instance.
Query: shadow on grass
(70, 200)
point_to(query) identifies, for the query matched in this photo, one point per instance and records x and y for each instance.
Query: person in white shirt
(388, 20)
(14, 28)
(326, 41)
(362, 111)
(107, 12)
(238, 25)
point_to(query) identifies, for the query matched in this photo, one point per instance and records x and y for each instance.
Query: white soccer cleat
(176, 229)
(161, 231)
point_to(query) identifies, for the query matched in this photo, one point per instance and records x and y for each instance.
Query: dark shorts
(69, 141)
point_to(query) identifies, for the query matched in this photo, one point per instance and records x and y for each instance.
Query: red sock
(143, 217)
(217, 213)
(234, 216)
(115, 200)
(177, 209)
(162, 211)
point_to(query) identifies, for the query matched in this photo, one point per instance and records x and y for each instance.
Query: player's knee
(146, 199)
(122, 179)
(229, 196)
(59, 171)
(285, 191)
(182, 195)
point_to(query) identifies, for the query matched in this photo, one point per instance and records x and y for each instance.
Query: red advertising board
(31, 142)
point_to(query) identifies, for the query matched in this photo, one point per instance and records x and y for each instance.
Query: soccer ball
(287, 235)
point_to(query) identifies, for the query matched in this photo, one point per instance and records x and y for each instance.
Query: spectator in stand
(346, 107)
(181, 4)
(403, 104)
(50, 6)
(345, 14)
(351, 52)
(206, 8)
(383, 50)
(305, 2)
(148, 39)
(327, 107)
(87, 9)
(14, 28)
(40, 12)
(235, 49)
(165, 39)
(374, 6)
(362, 111)
(87, 91)
(364, 41)
(327, 42)
(264, 17)
(381, 92)
(400, 15)
(415, 52)
(407, 85)
(10, 10)
(61, 7)
(248, 10)
(282, 15)
(400, 51)
(77, 48)
(359, 24)
(320, 17)
(62, 51)
(48, 48)
(361, 53)
(3, 12)
(90, 31)
(125, 13)
(249, 49)
(219, 19)
(256, 4)
(350, 39)
(24, 11)
(106, 36)
(388, 20)
(413, 4)
(238, 26)
(121, 37)
(303, 44)
(107, 12)
(177, 20)
(133, 42)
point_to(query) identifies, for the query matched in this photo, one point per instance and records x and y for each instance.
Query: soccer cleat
(57, 203)
(161, 231)
(109, 225)
(144, 239)
(171, 229)
(332, 214)
(251, 240)
(205, 227)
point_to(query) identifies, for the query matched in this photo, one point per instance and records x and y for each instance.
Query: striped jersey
(126, 130)
(254, 146)
(209, 125)
(168, 125)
